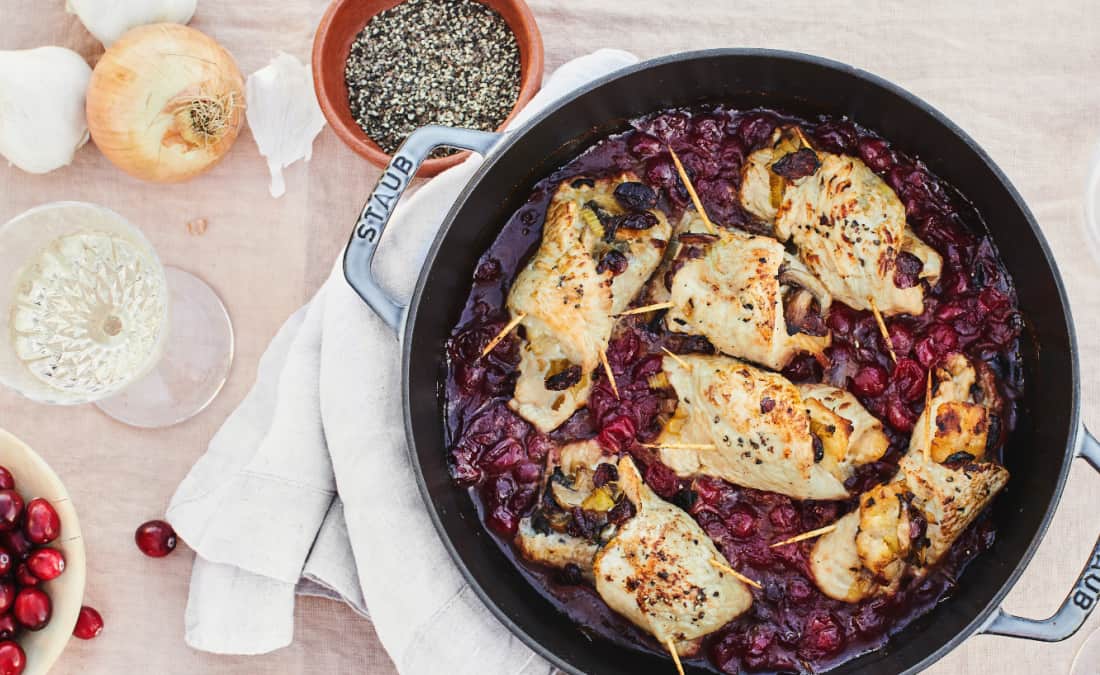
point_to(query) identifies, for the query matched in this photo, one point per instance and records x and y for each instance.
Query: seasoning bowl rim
(334, 100)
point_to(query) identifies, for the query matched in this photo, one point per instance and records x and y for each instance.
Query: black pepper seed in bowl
(454, 62)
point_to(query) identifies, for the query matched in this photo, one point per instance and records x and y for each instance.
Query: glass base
(197, 356)
(1088, 657)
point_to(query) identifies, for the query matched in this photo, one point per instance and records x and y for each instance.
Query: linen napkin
(307, 488)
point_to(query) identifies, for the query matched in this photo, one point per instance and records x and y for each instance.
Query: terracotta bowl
(34, 478)
(346, 18)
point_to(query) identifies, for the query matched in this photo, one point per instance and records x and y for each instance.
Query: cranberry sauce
(791, 625)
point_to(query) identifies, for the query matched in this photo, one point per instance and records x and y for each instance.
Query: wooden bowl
(34, 478)
(346, 18)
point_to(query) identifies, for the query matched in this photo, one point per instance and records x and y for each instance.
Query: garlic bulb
(42, 107)
(107, 20)
(283, 115)
(165, 103)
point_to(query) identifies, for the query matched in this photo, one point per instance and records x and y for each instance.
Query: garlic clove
(283, 114)
(42, 122)
(108, 21)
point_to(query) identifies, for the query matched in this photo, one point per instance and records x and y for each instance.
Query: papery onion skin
(150, 90)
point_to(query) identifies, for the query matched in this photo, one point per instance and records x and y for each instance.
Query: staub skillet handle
(376, 212)
(1081, 600)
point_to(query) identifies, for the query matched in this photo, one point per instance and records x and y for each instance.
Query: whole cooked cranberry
(8, 626)
(799, 589)
(46, 563)
(12, 658)
(876, 154)
(33, 608)
(635, 196)
(754, 129)
(527, 472)
(155, 538)
(869, 381)
(661, 479)
(7, 481)
(900, 416)
(669, 127)
(643, 146)
(659, 171)
(784, 517)
(613, 261)
(618, 432)
(823, 635)
(89, 623)
(909, 379)
(42, 525)
(24, 577)
(741, 524)
(11, 509)
(7, 596)
(487, 270)
(836, 136)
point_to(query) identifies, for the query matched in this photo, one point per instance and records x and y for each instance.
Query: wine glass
(88, 314)
(1092, 204)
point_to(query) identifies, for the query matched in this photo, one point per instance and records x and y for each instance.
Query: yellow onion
(165, 102)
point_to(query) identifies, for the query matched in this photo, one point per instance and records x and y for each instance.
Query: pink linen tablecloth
(1019, 76)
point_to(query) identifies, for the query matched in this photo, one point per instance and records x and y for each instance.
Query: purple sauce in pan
(791, 626)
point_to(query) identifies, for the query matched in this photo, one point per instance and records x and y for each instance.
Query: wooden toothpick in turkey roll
(645, 308)
(671, 645)
(691, 191)
(679, 446)
(607, 369)
(734, 573)
(683, 364)
(503, 333)
(928, 412)
(806, 535)
(882, 329)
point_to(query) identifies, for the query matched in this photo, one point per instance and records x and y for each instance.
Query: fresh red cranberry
(11, 509)
(17, 544)
(46, 563)
(7, 481)
(89, 623)
(869, 381)
(43, 525)
(155, 538)
(24, 577)
(7, 596)
(12, 658)
(33, 608)
(8, 626)
(7, 562)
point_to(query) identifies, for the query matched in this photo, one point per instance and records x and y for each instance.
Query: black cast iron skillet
(1039, 453)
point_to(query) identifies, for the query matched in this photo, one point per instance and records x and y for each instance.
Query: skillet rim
(513, 137)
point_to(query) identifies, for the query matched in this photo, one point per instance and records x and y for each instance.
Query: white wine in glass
(93, 316)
